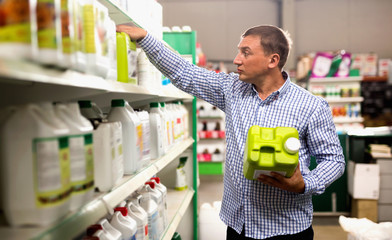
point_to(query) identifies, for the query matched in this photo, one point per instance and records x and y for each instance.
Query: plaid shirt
(265, 211)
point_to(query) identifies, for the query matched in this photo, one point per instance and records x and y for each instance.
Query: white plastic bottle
(131, 133)
(162, 188)
(156, 130)
(168, 127)
(81, 153)
(91, 111)
(140, 215)
(145, 120)
(185, 116)
(151, 207)
(124, 223)
(50, 49)
(39, 192)
(102, 64)
(18, 31)
(111, 232)
(157, 196)
(67, 34)
(112, 50)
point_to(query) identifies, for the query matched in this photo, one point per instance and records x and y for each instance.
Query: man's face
(252, 64)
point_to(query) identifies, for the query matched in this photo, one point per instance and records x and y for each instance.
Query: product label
(89, 27)
(15, 21)
(139, 139)
(51, 171)
(46, 24)
(146, 139)
(82, 163)
(153, 226)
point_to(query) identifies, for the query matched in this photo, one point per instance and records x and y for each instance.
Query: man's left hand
(295, 183)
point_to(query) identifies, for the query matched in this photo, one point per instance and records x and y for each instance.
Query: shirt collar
(282, 90)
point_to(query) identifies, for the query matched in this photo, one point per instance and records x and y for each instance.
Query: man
(260, 93)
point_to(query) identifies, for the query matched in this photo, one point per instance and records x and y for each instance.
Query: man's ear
(274, 60)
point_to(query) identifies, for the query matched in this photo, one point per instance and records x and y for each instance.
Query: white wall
(354, 25)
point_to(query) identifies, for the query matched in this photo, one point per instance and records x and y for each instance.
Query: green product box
(271, 149)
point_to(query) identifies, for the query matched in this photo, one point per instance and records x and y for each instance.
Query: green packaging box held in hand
(271, 150)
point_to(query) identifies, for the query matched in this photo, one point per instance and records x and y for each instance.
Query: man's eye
(246, 54)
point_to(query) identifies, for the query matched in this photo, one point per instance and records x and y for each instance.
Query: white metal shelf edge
(336, 79)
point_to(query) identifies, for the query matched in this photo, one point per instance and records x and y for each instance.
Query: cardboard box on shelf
(365, 208)
(363, 180)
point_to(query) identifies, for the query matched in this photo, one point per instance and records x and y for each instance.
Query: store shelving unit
(25, 82)
(346, 82)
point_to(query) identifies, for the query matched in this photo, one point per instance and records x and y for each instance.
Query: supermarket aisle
(325, 228)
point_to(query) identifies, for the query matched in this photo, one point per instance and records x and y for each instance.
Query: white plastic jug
(168, 132)
(151, 207)
(140, 215)
(39, 192)
(91, 111)
(157, 196)
(162, 188)
(102, 64)
(110, 231)
(108, 157)
(145, 120)
(131, 133)
(50, 48)
(124, 223)
(81, 153)
(156, 130)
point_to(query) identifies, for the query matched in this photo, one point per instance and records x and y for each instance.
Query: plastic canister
(50, 49)
(131, 133)
(79, 36)
(88, 43)
(18, 31)
(162, 188)
(151, 207)
(91, 111)
(67, 34)
(124, 223)
(271, 149)
(157, 196)
(81, 153)
(140, 215)
(111, 232)
(42, 195)
(108, 157)
(112, 49)
(156, 130)
(145, 120)
(102, 40)
(126, 59)
(168, 132)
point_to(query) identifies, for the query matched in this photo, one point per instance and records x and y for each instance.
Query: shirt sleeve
(197, 81)
(324, 145)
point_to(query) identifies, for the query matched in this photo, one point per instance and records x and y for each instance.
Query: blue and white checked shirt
(265, 211)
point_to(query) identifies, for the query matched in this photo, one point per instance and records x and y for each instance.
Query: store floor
(325, 228)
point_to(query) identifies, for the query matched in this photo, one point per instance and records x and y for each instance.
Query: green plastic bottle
(126, 59)
(271, 149)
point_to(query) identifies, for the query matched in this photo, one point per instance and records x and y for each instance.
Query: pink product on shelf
(344, 67)
(321, 64)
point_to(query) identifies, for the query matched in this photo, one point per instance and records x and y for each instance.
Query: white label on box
(257, 173)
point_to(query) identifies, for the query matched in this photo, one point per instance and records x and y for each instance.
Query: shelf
(345, 100)
(338, 120)
(177, 204)
(335, 79)
(76, 222)
(38, 83)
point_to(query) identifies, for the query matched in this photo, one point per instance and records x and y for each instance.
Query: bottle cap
(152, 184)
(292, 145)
(156, 179)
(85, 104)
(154, 105)
(123, 210)
(118, 103)
(93, 228)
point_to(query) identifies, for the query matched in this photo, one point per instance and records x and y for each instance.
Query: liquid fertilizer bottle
(271, 150)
